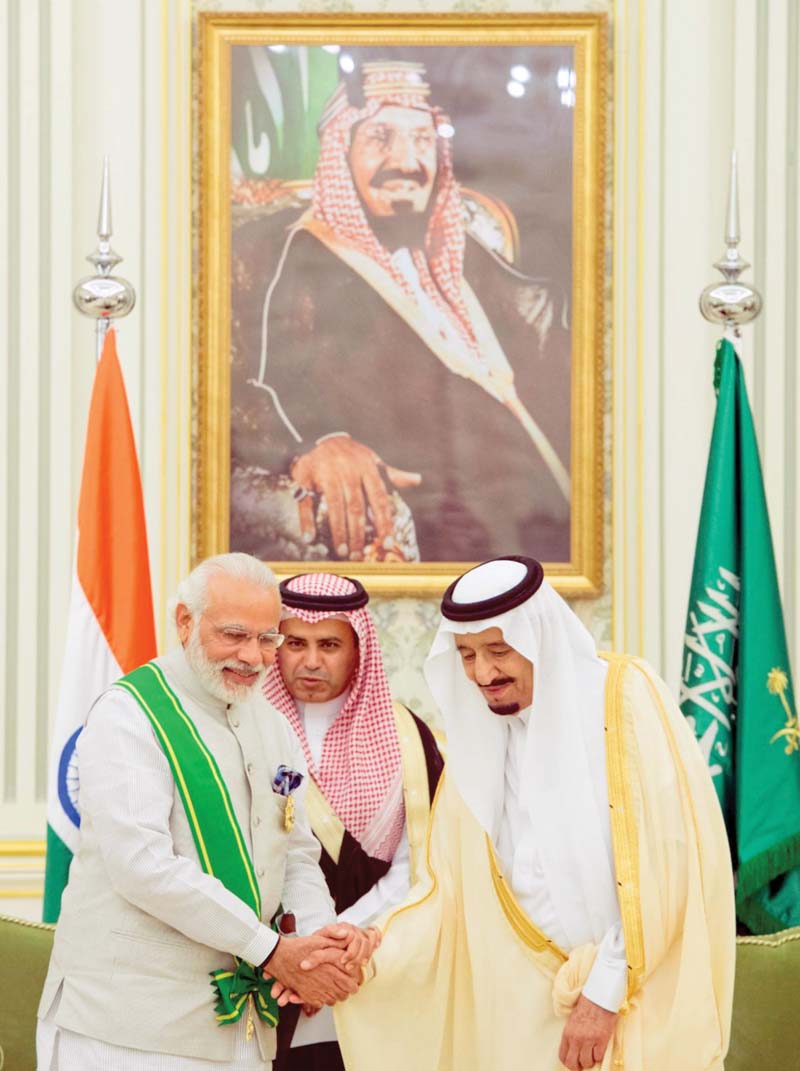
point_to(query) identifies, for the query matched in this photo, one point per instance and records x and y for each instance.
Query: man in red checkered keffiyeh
(359, 770)
(374, 766)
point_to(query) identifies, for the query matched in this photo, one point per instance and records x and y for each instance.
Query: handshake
(325, 968)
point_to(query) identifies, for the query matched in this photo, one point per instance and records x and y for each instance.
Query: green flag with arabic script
(736, 689)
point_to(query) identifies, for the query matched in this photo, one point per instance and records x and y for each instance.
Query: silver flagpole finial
(731, 302)
(732, 235)
(103, 296)
(104, 217)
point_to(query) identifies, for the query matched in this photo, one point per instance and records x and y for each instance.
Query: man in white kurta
(578, 906)
(142, 923)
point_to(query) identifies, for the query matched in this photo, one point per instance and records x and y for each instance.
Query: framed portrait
(402, 286)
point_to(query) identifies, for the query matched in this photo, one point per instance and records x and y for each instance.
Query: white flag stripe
(89, 668)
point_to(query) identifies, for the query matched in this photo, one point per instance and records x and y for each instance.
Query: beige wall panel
(770, 378)
(690, 81)
(64, 425)
(24, 583)
(8, 267)
(695, 158)
(792, 345)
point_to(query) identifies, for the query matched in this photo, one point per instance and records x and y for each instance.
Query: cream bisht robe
(464, 981)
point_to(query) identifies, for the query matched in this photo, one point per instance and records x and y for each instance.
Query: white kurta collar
(177, 667)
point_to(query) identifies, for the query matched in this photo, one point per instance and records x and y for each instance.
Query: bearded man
(381, 301)
(579, 904)
(374, 768)
(193, 839)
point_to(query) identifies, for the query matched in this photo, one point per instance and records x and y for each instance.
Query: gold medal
(288, 814)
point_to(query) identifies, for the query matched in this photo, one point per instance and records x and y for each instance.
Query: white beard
(210, 672)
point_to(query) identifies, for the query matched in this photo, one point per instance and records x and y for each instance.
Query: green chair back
(24, 955)
(765, 1013)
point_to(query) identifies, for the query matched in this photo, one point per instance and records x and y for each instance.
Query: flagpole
(110, 627)
(104, 297)
(736, 688)
(731, 302)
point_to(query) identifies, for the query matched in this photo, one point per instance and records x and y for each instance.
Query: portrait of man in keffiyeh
(384, 182)
(395, 341)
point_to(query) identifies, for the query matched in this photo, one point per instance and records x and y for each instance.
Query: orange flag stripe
(113, 567)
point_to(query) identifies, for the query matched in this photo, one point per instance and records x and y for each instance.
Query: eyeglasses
(232, 636)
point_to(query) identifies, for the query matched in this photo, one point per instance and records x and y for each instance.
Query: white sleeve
(389, 890)
(608, 978)
(127, 793)
(305, 891)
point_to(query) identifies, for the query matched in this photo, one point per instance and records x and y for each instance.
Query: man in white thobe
(537, 854)
(578, 906)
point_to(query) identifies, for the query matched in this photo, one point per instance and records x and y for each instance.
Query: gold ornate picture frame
(401, 294)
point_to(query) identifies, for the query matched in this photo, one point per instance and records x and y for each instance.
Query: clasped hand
(325, 968)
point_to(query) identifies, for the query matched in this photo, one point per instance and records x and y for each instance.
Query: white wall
(88, 77)
(85, 78)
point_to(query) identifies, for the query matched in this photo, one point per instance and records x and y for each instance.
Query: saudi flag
(110, 628)
(736, 683)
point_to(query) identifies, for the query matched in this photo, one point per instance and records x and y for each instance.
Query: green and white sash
(217, 836)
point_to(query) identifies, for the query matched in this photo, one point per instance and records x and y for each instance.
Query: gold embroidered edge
(528, 931)
(428, 864)
(415, 786)
(624, 834)
(325, 824)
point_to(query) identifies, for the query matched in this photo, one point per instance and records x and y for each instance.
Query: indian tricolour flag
(110, 630)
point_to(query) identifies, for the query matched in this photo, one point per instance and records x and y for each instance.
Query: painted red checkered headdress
(360, 771)
(336, 201)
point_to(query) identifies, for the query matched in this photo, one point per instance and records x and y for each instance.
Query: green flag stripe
(177, 731)
(57, 866)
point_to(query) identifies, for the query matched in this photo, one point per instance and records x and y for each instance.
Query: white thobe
(138, 825)
(389, 890)
(519, 855)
